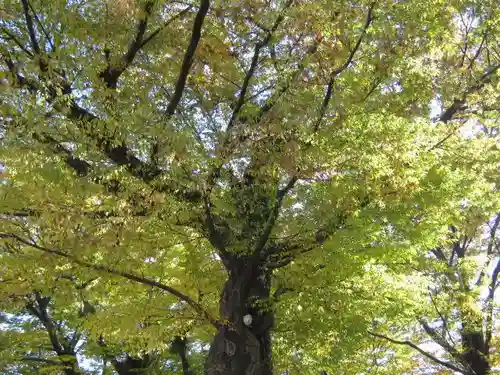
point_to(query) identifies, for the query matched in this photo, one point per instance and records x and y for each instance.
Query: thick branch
(112, 74)
(30, 26)
(421, 351)
(130, 276)
(119, 154)
(188, 57)
(438, 253)
(273, 216)
(80, 166)
(460, 104)
(440, 340)
(214, 174)
(63, 348)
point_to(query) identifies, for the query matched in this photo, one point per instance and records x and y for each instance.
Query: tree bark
(132, 366)
(238, 348)
(474, 352)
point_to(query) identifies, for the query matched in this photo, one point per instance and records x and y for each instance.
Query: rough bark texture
(237, 348)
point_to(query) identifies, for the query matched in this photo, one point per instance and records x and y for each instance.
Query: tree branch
(445, 322)
(460, 104)
(421, 351)
(111, 74)
(179, 346)
(489, 249)
(80, 166)
(214, 174)
(17, 41)
(188, 57)
(489, 307)
(19, 80)
(168, 22)
(64, 350)
(438, 253)
(440, 340)
(42, 28)
(119, 154)
(338, 71)
(130, 276)
(253, 65)
(273, 216)
(30, 27)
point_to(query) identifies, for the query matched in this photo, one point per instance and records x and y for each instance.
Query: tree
(462, 320)
(178, 169)
(460, 275)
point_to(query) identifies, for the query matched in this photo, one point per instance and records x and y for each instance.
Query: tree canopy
(249, 187)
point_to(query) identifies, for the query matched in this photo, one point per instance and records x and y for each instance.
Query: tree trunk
(179, 346)
(239, 348)
(132, 366)
(474, 352)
